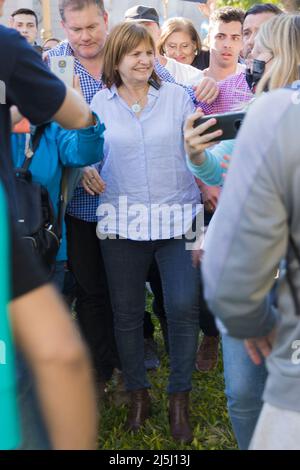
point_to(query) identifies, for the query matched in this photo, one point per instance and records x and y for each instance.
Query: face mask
(253, 76)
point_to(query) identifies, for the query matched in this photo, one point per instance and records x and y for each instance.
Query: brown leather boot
(207, 354)
(139, 409)
(181, 430)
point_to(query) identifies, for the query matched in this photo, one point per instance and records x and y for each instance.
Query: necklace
(136, 107)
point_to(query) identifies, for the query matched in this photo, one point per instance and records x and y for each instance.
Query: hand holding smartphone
(229, 123)
(63, 68)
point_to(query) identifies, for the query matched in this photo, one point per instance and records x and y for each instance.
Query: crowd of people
(133, 183)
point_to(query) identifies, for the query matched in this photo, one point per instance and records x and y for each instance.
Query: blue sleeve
(210, 172)
(81, 147)
(17, 148)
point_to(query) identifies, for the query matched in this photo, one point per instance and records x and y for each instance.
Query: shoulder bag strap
(32, 143)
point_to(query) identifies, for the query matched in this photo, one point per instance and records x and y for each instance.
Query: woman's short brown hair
(123, 39)
(178, 25)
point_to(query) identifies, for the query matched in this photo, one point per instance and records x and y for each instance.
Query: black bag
(36, 217)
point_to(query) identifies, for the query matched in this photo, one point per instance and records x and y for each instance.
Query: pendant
(136, 108)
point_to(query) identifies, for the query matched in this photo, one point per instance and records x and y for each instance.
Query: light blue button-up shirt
(150, 192)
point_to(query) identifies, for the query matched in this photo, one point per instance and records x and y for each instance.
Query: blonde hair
(123, 39)
(280, 36)
(178, 25)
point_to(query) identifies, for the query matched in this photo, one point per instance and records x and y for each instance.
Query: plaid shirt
(83, 206)
(234, 95)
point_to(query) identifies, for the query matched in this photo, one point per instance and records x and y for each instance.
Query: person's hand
(210, 197)
(195, 142)
(45, 56)
(258, 348)
(92, 181)
(207, 90)
(225, 164)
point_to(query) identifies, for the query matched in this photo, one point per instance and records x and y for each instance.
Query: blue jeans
(127, 265)
(244, 386)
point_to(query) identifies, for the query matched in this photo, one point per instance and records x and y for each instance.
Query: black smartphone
(230, 124)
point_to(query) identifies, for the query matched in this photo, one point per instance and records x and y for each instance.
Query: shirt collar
(69, 49)
(113, 91)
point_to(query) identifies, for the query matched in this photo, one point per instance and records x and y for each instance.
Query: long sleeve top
(145, 165)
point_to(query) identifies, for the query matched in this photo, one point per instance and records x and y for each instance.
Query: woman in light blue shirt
(147, 211)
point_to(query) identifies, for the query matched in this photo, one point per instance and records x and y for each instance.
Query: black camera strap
(32, 143)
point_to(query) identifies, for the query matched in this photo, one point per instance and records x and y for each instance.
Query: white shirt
(188, 75)
(183, 73)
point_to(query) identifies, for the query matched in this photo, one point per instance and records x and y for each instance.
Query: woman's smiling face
(137, 66)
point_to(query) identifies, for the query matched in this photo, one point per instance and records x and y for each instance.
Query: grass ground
(209, 416)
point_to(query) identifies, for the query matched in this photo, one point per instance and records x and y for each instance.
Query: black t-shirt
(27, 83)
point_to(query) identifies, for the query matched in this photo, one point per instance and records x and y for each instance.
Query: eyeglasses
(184, 47)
